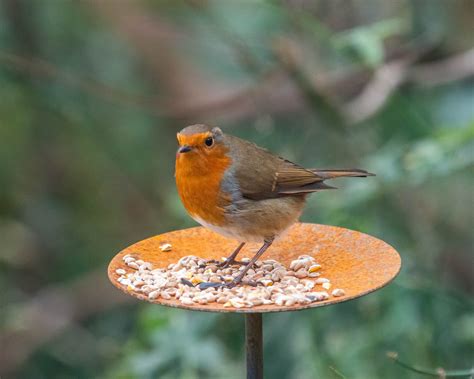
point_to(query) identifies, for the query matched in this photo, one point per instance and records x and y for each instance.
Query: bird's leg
(238, 279)
(230, 260)
(248, 266)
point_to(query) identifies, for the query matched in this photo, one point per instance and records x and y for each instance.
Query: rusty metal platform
(353, 261)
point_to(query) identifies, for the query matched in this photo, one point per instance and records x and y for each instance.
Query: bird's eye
(209, 141)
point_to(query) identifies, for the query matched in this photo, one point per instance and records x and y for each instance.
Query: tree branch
(439, 373)
(451, 69)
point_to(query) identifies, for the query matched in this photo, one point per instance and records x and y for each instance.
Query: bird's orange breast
(198, 179)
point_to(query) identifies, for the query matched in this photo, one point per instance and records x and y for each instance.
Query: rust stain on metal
(354, 261)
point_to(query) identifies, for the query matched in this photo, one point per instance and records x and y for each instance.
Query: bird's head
(200, 143)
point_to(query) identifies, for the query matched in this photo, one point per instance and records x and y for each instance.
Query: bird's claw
(228, 263)
(205, 285)
(223, 264)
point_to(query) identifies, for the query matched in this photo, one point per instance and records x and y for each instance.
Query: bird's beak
(184, 149)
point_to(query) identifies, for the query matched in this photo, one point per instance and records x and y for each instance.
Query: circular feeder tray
(354, 261)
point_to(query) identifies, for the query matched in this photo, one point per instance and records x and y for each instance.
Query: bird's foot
(209, 263)
(205, 285)
(230, 262)
(238, 281)
(223, 264)
(233, 284)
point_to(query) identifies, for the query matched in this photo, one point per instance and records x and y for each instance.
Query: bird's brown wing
(263, 175)
(293, 179)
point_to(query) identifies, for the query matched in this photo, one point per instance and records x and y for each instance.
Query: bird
(242, 191)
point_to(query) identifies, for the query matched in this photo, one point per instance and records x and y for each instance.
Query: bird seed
(165, 247)
(195, 281)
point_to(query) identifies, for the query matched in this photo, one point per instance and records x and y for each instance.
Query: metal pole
(254, 345)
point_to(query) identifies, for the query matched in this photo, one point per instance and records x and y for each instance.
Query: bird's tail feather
(332, 174)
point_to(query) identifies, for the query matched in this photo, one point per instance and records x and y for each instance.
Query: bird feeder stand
(254, 345)
(354, 261)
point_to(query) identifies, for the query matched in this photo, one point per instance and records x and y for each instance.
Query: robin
(241, 190)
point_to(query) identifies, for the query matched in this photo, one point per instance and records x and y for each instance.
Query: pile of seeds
(194, 280)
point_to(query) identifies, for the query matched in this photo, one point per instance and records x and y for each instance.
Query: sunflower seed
(154, 295)
(321, 281)
(302, 273)
(186, 301)
(133, 264)
(338, 292)
(165, 295)
(236, 302)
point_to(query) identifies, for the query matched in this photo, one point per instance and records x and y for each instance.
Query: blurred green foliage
(91, 96)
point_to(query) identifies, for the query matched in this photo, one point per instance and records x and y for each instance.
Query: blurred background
(92, 94)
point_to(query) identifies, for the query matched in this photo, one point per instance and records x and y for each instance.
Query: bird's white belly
(229, 232)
